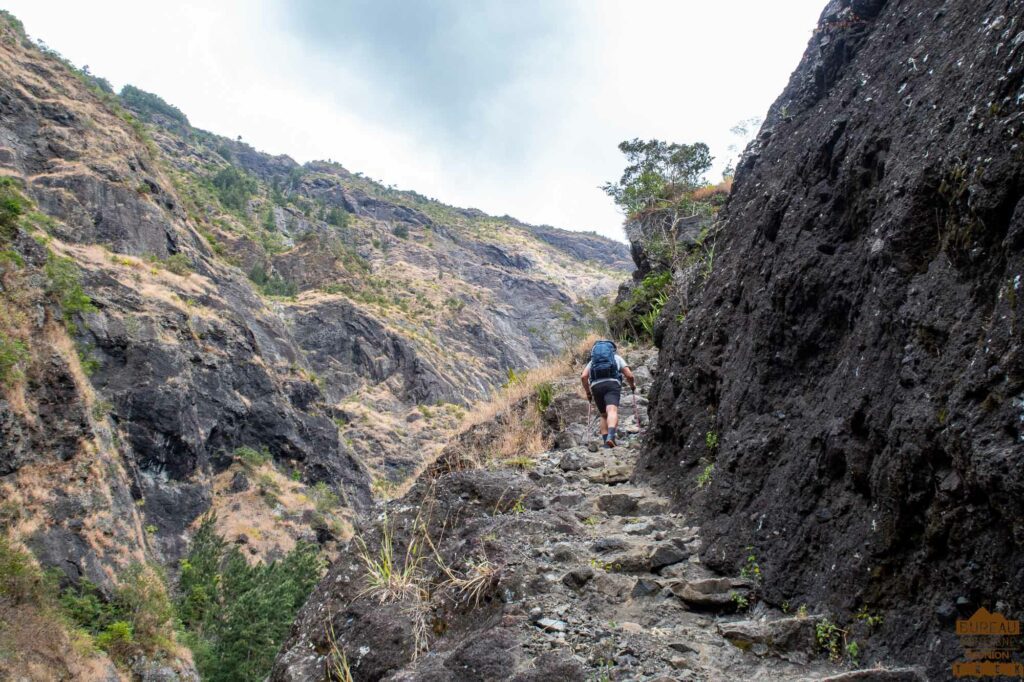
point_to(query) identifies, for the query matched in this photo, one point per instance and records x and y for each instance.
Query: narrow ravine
(566, 569)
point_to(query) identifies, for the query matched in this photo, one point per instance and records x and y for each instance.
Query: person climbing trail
(602, 383)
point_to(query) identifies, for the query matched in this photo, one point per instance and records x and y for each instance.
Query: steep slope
(853, 366)
(182, 313)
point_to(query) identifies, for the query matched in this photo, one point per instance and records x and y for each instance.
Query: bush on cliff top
(657, 171)
(147, 104)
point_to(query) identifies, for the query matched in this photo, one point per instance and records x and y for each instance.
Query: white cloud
(510, 107)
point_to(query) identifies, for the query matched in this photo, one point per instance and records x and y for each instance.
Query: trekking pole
(588, 418)
(636, 414)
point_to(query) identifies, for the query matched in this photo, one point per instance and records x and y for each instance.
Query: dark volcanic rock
(857, 348)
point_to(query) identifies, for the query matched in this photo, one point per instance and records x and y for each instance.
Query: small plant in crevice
(90, 365)
(179, 264)
(338, 666)
(704, 479)
(872, 620)
(751, 569)
(324, 498)
(606, 566)
(391, 575)
(741, 602)
(522, 462)
(833, 640)
(711, 440)
(649, 320)
(544, 393)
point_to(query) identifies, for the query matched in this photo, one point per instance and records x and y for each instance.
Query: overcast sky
(511, 106)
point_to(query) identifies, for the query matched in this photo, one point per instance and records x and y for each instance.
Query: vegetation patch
(236, 615)
(64, 283)
(634, 318)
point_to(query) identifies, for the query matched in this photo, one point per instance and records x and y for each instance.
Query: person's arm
(628, 373)
(585, 380)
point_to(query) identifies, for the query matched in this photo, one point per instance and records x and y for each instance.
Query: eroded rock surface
(855, 356)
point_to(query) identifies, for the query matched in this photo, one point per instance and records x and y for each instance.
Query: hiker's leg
(601, 408)
(613, 418)
(611, 401)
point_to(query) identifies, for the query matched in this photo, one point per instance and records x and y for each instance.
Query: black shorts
(605, 394)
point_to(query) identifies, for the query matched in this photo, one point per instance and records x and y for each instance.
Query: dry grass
(338, 669)
(269, 513)
(391, 576)
(708, 191)
(516, 430)
(39, 647)
(396, 577)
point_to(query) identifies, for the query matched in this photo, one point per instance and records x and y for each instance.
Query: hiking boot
(610, 443)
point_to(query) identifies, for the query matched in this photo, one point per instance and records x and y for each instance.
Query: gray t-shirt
(619, 362)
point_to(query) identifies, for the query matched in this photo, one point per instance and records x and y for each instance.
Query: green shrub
(84, 605)
(401, 231)
(137, 619)
(336, 216)
(13, 354)
(142, 597)
(251, 457)
(272, 284)
(64, 283)
(118, 640)
(634, 318)
(324, 498)
(12, 207)
(147, 104)
(21, 581)
(268, 222)
(179, 264)
(14, 23)
(545, 394)
(234, 188)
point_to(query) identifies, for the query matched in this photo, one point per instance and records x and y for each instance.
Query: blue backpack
(602, 362)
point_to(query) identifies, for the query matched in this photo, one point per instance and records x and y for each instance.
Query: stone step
(712, 594)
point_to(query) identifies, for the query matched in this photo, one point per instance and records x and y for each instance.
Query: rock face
(854, 364)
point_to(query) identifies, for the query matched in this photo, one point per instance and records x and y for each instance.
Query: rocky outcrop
(853, 365)
(585, 246)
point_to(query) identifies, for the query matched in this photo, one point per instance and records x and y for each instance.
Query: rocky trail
(566, 570)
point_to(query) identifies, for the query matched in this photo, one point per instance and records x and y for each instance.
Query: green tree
(657, 170)
(238, 614)
(147, 104)
(336, 216)
(234, 188)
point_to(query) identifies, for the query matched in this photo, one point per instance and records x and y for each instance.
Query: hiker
(602, 382)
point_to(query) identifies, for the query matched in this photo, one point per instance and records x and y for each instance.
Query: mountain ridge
(191, 326)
